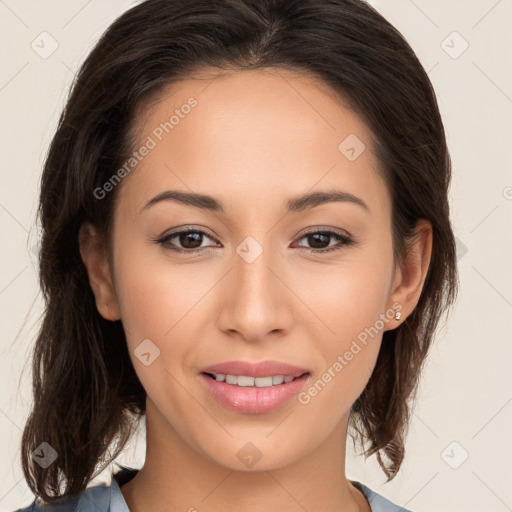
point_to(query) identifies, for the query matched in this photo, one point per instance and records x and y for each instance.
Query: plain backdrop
(459, 449)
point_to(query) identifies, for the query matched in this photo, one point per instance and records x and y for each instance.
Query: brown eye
(319, 241)
(185, 241)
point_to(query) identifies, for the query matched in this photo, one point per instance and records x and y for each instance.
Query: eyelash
(344, 241)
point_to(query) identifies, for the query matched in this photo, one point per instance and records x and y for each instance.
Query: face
(260, 277)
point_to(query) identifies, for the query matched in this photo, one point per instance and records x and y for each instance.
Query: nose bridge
(255, 282)
(252, 262)
(255, 302)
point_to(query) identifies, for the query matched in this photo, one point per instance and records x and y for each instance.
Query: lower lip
(253, 400)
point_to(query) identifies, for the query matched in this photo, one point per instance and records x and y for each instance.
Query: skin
(255, 140)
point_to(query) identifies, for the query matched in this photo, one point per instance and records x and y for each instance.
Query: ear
(94, 256)
(410, 276)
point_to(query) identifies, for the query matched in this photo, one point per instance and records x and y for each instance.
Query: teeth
(259, 382)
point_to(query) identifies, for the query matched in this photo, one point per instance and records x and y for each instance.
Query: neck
(177, 477)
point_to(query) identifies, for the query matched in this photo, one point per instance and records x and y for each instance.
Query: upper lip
(260, 369)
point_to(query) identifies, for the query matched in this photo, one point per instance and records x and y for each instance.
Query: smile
(247, 381)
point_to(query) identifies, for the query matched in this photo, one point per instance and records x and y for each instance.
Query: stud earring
(398, 315)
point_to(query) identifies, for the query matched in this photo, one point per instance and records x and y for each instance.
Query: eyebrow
(297, 204)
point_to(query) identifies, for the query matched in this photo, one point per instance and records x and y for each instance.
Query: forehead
(252, 132)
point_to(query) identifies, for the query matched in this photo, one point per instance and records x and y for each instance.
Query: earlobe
(95, 260)
(412, 274)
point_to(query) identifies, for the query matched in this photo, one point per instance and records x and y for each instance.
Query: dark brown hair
(87, 397)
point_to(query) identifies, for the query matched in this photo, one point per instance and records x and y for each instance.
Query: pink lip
(262, 369)
(254, 400)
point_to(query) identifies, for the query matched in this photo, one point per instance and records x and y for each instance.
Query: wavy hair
(87, 397)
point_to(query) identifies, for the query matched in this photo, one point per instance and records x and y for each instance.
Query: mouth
(253, 388)
(248, 381)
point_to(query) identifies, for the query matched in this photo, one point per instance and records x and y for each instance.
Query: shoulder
(93, 499)
(99, 498)
(378, 503)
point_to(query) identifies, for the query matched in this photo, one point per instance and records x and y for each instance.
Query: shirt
(108, 498)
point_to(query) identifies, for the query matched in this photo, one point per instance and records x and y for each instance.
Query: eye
(320, 241)
(190, 239)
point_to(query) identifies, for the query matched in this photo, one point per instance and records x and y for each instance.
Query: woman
(246, 242)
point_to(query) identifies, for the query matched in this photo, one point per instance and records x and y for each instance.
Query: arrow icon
(351, 147)
(44, 454)
(40, 455)
(454, 455)
(249, 455)
(146, 352)
(44, 44)
(454, 45)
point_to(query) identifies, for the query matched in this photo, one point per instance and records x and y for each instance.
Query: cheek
(350, 301)
(164, 303)
(153, 293)
(353, 309)
(346, 298)
(157, 306)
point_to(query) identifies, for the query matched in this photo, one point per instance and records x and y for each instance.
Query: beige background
(464, 408)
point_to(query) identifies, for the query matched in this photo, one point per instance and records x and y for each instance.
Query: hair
(87, 397)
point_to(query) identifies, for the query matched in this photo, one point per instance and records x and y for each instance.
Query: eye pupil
(318, 238)
(194, 237)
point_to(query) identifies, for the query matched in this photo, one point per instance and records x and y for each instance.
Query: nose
(256, 303)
